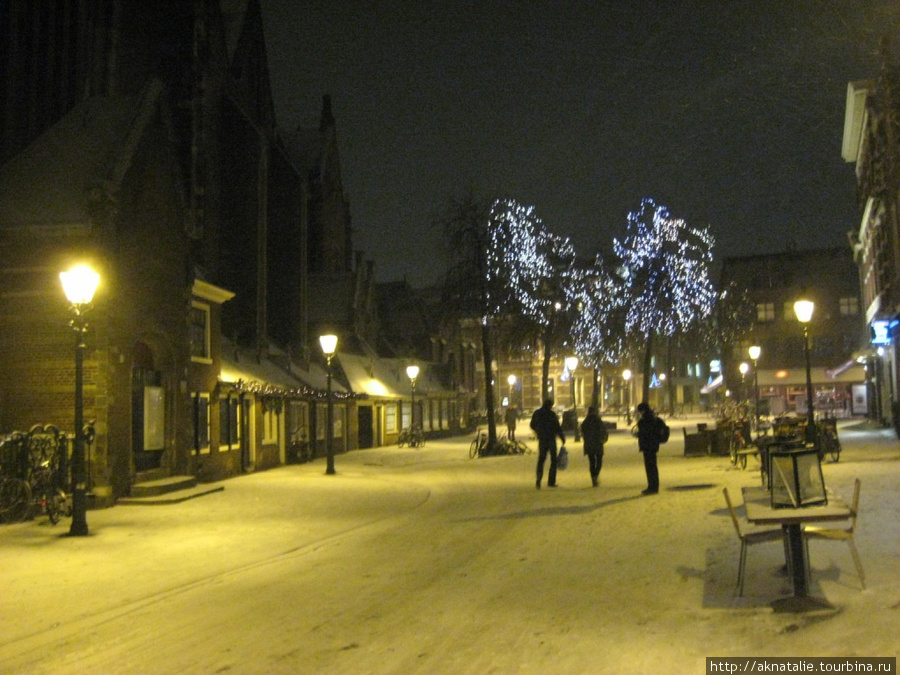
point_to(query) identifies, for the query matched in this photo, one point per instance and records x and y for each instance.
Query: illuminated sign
(882, 330)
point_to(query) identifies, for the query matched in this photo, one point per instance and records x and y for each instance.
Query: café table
(759, 510)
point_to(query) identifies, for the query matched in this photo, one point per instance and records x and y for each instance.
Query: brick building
(872, 141)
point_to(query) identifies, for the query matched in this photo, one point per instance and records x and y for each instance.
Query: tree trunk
(670, 375)
(488, 356)
(595, 395)
(648, 358)
(545, 374)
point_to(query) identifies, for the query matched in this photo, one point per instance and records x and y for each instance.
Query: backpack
(662, 430)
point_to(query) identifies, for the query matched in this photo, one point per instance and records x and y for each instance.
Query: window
(765, 312)
(849, 306)
(229, 423)
(201, 423)
(199, 333)
(405, 411)
(270, 424)
(390, 418)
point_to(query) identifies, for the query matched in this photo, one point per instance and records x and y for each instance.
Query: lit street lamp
(329, 345)
(571, 365)
(412, 372)
(512, 387)
(804, 311)
(626, 375)
(79, 285)
(754, 352)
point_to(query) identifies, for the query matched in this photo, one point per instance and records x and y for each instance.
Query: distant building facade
(774, 282)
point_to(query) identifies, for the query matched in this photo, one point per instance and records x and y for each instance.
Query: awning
(713, 384)
(843, 368)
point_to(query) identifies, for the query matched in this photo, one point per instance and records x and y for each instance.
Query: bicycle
(414, 437)
(511, 446)
(737, 443)
(829, 444)
(478, 445)
(30, 470)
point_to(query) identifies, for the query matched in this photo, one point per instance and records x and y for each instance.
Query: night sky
(729, 113)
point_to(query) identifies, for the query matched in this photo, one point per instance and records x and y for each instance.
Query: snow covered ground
(423, 561)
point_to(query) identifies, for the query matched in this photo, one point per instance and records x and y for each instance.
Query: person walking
(512, 419)
(595, 435)
(546, 426)
(648, 443)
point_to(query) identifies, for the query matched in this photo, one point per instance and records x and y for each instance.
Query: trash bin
(570, 420)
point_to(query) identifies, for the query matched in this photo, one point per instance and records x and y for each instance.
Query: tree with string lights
(665, 272)
(540, 279)
(598, 330)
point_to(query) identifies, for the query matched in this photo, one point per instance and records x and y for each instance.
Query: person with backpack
(651, 431)
(595, 435)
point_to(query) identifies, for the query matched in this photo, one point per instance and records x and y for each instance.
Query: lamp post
(626, 375)
(79, 285)
(512, 387)
(804, 311)
(754, 353)
(329, 345)
(571, 365)
(412, 372)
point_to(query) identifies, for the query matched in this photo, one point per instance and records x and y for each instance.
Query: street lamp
(329, 345)
(804, 311)
(79, 285)
(512, 387)
(754, 351)
(412, 372)
(626, 375)
(571, 365)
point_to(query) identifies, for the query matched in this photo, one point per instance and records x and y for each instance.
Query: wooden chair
(839, 534)
(748, 539)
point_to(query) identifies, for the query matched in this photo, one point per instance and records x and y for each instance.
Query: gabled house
(160, 164)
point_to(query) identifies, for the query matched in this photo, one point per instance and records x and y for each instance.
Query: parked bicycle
(829, 443)
(479, 447)
(736, 443)
(32, 471)
(478, 444)
(414, 437)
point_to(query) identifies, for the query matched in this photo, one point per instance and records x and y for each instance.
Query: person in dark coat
(595, 435)
(546, 426)
(648, 444)
(512, 418)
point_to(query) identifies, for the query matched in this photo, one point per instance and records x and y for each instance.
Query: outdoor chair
(749, 538)
(839, 534)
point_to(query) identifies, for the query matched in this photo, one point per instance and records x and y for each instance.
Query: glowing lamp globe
(79, 284)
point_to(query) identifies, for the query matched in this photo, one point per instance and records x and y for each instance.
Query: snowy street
(422, 560)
